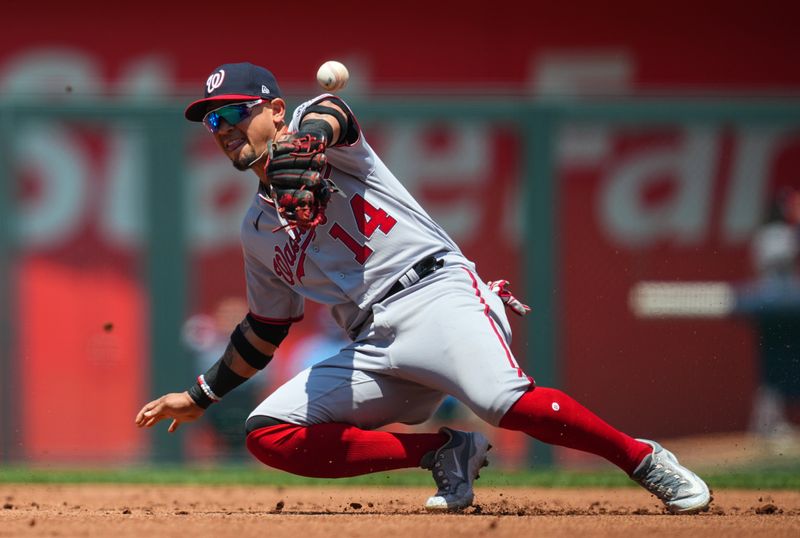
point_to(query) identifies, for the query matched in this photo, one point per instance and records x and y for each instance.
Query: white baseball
(332, 75)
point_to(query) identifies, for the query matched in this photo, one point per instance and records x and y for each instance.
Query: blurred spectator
(207, 337)
(772, 301)
(326, 341)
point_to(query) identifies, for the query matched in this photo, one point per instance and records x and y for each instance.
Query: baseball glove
(294, 171)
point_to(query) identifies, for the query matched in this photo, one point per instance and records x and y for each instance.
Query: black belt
(418, 271)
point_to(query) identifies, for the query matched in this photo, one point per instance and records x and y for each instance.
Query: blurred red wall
(682, 47)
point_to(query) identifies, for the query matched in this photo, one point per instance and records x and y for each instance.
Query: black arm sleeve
(248, 351)
(348, 129)
(317, 127)
(274, 333)
(215, 383)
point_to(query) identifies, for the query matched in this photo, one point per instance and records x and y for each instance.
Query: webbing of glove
(294, 170)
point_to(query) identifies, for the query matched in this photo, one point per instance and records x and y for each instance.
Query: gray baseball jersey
(446, 334)
(375, 231)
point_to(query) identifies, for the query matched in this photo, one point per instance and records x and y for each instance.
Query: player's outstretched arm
(246, 354)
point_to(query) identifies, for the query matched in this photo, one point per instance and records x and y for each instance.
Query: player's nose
(224, 127)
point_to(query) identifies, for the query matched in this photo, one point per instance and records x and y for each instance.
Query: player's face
(245, 142)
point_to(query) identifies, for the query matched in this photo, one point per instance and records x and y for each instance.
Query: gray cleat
(682, 491)
(455, 466)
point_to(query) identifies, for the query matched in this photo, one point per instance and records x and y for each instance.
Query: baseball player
(330, 223)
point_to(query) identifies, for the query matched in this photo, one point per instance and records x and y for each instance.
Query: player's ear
(278, 107)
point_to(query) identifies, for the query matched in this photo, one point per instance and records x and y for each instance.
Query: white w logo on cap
(215, 80)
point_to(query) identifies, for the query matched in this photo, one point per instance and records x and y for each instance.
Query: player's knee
(263, 435)
(257, 422)
(274, 443)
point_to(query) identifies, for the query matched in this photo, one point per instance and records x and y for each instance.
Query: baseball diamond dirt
(180, 511)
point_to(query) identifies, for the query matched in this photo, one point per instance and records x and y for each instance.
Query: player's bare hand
(178, 406)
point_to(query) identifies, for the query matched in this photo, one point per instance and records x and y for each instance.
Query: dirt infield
(136, 510)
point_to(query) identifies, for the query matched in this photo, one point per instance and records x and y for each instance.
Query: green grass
(767, 478)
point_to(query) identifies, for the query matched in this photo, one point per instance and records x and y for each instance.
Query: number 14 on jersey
(368, 219)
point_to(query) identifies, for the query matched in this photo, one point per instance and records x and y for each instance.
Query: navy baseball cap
(234, 83)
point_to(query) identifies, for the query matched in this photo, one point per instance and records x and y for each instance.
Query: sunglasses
(232, 114)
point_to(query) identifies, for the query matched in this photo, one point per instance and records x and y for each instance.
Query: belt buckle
(427, 266)
(422, 268)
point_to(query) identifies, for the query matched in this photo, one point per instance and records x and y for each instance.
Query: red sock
(337, 450)
(552, 417)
